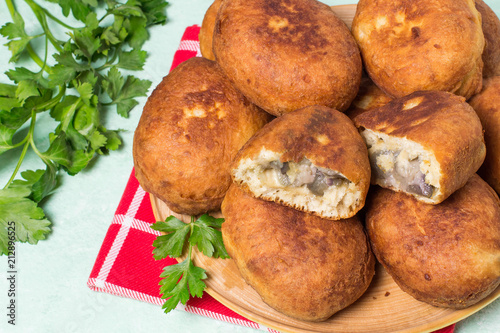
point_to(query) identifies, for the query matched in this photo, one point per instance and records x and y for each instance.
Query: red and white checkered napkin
(125, 264)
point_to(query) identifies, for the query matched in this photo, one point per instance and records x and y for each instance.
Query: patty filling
(395, 169)
(294, 175)
(301, 185)
(401, 164)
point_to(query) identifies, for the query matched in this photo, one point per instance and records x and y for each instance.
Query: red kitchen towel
(125, 264)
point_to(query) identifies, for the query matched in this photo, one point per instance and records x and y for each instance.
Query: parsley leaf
(184, 279)
(25, 89)
(85, 90)
(179, 281)
(208, 238)
(97, 140)
(58, 152)
(113, 140)
(66, 58)
(61, 75)
(137, 32)
(127, 9)
(79, 8)
(80, 160)
(42, 182)
(8, 98)
(172, 243)
(133, 60)
(17, 35)
(154, 10)
(124, 91)
(21, 73)
(6, 135)
(30, 222)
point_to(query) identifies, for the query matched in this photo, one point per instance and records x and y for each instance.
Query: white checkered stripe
(190, 45)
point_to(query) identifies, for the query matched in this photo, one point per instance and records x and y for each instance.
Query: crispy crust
(207, 30)
(491, 30)
(325, 136)
(369, 97)
(287, 55)
(487, 106)
(447, 255)
(444, 124)
(407, 45)
(191, 128)
(292, 259)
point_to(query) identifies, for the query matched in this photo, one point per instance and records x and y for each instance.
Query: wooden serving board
(384, 307)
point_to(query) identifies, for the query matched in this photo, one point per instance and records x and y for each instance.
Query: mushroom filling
(291, 174)
(398, 170)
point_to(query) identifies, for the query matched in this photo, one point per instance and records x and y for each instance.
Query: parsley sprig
(75, 86)
(184, 279)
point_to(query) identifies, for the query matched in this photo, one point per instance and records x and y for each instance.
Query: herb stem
(104, 16)
(20, 143)
(53, 101)
(42, 18)
(55, 19)
(35, 57)
(10, 6)
(19, 162)
(108, 63)
(46, 54)
(191, 228)
(32, 141)
(27, 142)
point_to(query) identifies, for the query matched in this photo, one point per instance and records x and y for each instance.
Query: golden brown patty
(421, 45)
(491, 30)
(207, 30)
(191, 128)
(301, 265)
(426, 144)
(447, 255)
(287, 55)
(312, 159)
(487, 106)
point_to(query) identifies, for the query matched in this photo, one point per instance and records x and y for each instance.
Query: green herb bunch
(185, 279)
(76, 85)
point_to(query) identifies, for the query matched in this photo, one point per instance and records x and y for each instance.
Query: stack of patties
(296, 185)
(291, 188)
(435, 226)
(297, 181)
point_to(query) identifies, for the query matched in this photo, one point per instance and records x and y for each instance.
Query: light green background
(52, 276)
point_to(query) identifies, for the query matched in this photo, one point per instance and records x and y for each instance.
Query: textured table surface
(52, 292)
